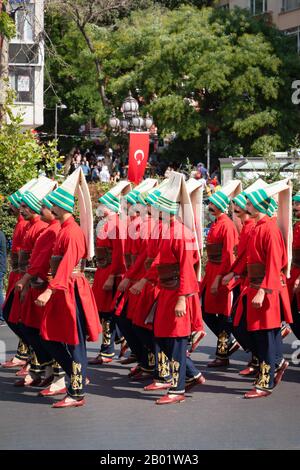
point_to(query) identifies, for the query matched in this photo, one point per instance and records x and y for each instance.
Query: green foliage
(236, 71)
(191, 66)
(7, 26)
(21, 155)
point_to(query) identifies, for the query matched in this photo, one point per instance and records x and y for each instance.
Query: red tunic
(19, 232)
(177, 249)
(222, 231)
(35, 227)
(146, 299)
(295, 271)
(266, 246)
(109, 237)
(39, 266)
(138, 249)
(59, 321)
(241, 259)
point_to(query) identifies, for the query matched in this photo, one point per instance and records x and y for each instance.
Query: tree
(7, 26)
(96, 13)
(21, 155)
(198, 68)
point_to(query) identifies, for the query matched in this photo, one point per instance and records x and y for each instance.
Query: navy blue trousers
(73, 359)
(222, 327)
(181, 366)
(108, 321)
(296, 318)
(23, 352)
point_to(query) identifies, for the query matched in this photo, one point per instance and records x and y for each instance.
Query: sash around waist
(169, 275)
(55, 262)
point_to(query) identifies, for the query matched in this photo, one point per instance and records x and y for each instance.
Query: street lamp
(57, 106)
(130, 119)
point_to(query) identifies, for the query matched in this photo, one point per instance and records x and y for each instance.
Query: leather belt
(169, 276)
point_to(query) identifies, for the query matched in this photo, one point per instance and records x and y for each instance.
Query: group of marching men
(147, 293)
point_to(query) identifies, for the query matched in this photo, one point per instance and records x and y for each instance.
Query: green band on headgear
(240, 200)
(32, 201)
(110, 201)
(220, 200)
(260, 200)
(165, 205)
(63, 199)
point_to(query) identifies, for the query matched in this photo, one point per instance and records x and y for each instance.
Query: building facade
(285, 14)
(26, 60)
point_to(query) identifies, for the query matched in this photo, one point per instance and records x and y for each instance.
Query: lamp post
(130, 119)
(57, 106)
(208, 150)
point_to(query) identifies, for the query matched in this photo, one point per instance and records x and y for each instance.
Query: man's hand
(42, 299)
(22, 283)
(23, 293)
(124, 284)
(258, 300)
(226, 279)
(297, 286)
(137, 288)
(109, 283)
(215, 285)
(180, 307)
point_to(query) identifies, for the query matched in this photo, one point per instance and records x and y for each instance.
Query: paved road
(120, 415)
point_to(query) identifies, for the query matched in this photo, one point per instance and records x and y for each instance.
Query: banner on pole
(138, 155)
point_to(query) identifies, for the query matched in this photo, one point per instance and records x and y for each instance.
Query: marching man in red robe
(71, 314)
(239, 207)
(22, 355)
(30, 210)
(110, 266)
(263, 302)
(33, 283)
(217, 300)
(178, 301)
(294, 280)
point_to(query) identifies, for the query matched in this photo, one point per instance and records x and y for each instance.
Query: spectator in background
(85, 168)
(2, 272)
(104, 175)
(96, 174)
(202, 170)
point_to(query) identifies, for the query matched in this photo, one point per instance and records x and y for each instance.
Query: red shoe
(123, 350)
(13, 365)
(24, 371)
(249, 371)
(196, 381)
(168, 400)
(196, 338)
(47, 381)
(49, 393)
(218, 363)
(280, 371)
(140, 375)
(23, 383)
(257, 393)
(99, 360)
(157, 386)
(285, 331)
(129, 360)
(134, 371)
(65, 404)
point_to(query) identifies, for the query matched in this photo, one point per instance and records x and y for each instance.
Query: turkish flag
(138, 155)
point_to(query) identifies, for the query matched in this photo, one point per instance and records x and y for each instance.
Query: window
(294, 34)
(24, 20)
(22, 82)
(23, 53)
(288, 5)
(258, 6)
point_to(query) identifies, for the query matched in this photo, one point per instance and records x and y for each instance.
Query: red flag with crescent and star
(138, 155)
